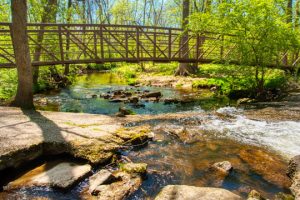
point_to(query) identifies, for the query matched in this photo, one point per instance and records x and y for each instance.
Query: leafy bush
(101, 67)
(8, 83)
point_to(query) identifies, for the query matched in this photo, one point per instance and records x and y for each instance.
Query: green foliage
(257, 28)
(101, 67)
(8, 83)
(163, 68)
(232, 78)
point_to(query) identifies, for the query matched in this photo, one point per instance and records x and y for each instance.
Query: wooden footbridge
(59, 44)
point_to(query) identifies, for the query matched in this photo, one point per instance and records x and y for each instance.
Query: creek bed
(79, 97)
(259, 160)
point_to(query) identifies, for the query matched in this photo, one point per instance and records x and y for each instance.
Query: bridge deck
(53, 44)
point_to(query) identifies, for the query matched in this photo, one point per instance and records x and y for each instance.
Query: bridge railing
(54, 44)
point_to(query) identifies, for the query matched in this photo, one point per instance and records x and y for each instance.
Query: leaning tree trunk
(185, 68)
(24, 96)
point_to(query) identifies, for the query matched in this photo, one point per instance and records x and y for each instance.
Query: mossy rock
(139, 168)
(283, 196)
(134, 136)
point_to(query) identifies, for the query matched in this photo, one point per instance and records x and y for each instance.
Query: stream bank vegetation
(233, 81)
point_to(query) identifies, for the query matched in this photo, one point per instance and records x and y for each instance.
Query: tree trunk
(185, 69)
(289, 19)
(49, 15)
(67, 66)
(24, 97)
(297, 18)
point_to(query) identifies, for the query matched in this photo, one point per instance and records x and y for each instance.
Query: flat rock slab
(62, 175)
(119, 190)
(184, 192)
(101, 177)
(26, 135)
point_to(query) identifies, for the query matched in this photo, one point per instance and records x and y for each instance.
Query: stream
(258, 150)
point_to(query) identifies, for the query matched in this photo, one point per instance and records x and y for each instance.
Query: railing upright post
(126, 44)
(170, 44)
(137, 43)
(61, 43)
(222, 48)
(197, 46)
(154, 49)
(101, 42)
(95, 43)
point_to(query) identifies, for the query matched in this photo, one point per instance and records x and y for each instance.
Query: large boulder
(294, 173)
(184, 192)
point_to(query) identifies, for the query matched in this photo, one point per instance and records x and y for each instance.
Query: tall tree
(289, 20)
(184, 68)
(24, 96)
(69, 16)
(48, 15)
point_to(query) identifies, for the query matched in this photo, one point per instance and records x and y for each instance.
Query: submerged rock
(184, 134)
(170, 101)
(224, 167)
(152, 94)
(62, 175)
(294, 173)
(125, 111)
(134, 99)
(184, 192)
(261, 162)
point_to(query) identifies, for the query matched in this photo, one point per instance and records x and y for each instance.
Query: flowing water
(258, 150)
(79, 97)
